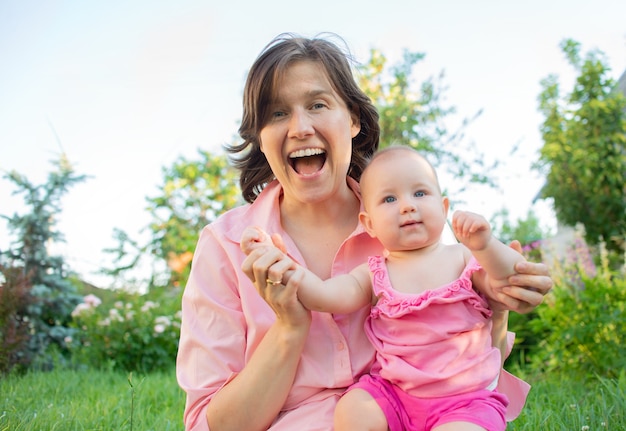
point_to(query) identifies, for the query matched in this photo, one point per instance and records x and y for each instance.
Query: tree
(52, 297)
(584, 151)
(417, 117)
(194, 193)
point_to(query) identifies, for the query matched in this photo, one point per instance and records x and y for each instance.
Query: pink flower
(92, 300)
(80, 309)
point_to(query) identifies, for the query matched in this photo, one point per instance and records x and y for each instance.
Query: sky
(124, 88)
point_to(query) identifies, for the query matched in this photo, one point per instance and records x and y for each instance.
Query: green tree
(584, 151)
(415, 115)
(527, 231)
(194, 193)
(52, 295)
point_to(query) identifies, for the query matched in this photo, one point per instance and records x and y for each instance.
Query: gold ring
(273, 283)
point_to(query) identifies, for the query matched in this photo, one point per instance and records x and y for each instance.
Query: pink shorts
(405, 412)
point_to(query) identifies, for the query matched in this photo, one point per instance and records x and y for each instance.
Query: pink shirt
(225, 319)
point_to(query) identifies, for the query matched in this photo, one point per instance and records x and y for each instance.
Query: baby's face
(404, 207)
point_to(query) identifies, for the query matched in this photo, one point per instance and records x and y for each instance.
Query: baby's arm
(497, 259)
(341, 294)
(253, 237)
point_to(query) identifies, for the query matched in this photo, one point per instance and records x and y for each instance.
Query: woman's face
(308, 138)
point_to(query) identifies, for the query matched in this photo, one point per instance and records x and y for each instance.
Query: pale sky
(129, 86)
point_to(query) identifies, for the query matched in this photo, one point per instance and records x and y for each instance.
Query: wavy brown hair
(260, 90)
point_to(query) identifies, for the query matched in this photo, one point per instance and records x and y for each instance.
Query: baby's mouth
(307, 161)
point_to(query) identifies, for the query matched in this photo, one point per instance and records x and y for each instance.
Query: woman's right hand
(269, 268)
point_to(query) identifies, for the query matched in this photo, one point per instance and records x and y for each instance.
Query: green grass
(90, 400)
(100, 400)
(560, 403)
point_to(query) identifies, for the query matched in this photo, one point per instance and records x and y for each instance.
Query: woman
(251, 357)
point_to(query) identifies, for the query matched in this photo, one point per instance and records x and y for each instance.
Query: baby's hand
(471, 229)
(254, 237)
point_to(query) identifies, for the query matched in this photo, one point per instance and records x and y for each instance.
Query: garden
(77, 357)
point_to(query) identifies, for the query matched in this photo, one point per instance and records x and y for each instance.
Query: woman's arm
(253, 399)
(499, 331)
(228, 387)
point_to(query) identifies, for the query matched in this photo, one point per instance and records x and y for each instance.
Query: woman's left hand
(526, 288)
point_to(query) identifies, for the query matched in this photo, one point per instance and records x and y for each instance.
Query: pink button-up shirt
(225, 319)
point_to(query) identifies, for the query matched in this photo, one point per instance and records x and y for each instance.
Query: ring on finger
(273, 283)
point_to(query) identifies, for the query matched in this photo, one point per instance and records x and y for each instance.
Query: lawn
(90, 400)
(100, 400)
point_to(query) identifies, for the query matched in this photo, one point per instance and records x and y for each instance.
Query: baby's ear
(446, 205)
(366, 221)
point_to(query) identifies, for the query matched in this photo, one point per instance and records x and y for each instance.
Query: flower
(163, 320)
(80, 309)
(148, 305)
(92, 300)
(115, 315)
(159, 328)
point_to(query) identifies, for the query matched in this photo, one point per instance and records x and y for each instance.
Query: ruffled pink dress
(436, 343)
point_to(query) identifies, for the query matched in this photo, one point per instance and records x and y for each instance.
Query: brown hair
(260, 89)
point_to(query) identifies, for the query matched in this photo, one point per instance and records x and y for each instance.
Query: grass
(560, 403)
(90, 400)
(101, 400)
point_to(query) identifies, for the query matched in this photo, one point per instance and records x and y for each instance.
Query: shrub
(14, 324)
(52, 295)
(582, 320)
(134, 334)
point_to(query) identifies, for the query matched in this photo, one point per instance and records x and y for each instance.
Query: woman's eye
(318, 105)
(278, 114)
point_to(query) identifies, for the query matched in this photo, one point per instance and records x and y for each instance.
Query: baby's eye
(420, 194)
(389, 199)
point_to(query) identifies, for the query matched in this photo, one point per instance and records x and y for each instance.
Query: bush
(133, 334)
(582, 321)
(15, 328)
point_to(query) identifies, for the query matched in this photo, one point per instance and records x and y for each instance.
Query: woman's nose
(300, 125)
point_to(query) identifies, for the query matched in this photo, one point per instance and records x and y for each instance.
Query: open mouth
(307, 161)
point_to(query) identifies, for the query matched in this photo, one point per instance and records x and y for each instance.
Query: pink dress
(436, 343)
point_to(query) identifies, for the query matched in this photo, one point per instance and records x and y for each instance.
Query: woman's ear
(355, 125)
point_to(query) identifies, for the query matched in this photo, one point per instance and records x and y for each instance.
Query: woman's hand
(526, 289)
(269, 268)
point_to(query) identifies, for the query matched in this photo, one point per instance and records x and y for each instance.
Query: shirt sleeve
(212, 339)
